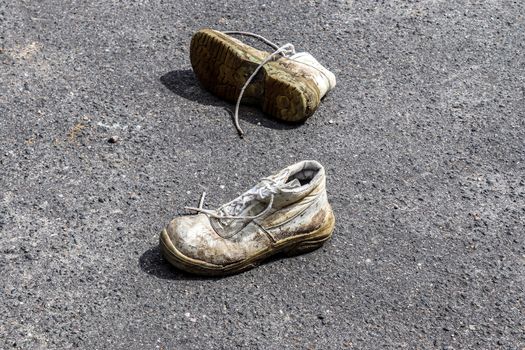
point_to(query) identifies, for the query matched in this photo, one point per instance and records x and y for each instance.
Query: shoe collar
(287, 187)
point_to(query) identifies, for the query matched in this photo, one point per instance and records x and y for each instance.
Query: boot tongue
(251, 202)
(292, 184)
(323, 77)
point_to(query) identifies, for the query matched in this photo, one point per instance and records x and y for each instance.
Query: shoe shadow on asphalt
(184, 83)
(154, 264)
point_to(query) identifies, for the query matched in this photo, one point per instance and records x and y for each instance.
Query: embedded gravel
(105, 135)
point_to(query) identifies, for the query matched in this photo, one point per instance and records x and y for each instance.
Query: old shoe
(286, 212)
(284, 84)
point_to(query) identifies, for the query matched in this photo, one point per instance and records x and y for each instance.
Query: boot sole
(223, 65)
(291, 246)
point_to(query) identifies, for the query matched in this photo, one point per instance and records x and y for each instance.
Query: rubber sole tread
(223, 65)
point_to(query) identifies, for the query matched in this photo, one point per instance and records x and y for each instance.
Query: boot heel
(316, 241)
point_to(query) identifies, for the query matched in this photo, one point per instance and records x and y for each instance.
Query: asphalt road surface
(105, 135)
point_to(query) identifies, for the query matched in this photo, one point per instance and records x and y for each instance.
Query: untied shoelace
(286, 50)
(267, 188)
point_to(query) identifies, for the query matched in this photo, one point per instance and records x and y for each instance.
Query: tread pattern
(223, 65)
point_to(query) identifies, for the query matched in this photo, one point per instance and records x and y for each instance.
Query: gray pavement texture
(105, 135)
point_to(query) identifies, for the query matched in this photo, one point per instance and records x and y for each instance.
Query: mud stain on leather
(281, 218)
(312, 225)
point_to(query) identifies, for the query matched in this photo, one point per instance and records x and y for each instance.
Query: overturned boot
(287, 212)
(284, 84)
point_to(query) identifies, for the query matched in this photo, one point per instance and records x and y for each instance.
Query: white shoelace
(282, 49)
(267, 188)
(286, 50)
(257, 36)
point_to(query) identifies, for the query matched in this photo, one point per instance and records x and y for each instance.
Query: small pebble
(113, 139)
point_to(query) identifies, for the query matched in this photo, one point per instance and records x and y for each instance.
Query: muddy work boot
(284, 213)
(284, 84)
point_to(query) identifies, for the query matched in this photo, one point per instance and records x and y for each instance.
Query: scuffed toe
(194, 237)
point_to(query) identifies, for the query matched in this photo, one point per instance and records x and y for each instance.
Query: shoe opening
(305, 173)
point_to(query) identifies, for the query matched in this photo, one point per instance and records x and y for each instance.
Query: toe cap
(194, 237)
